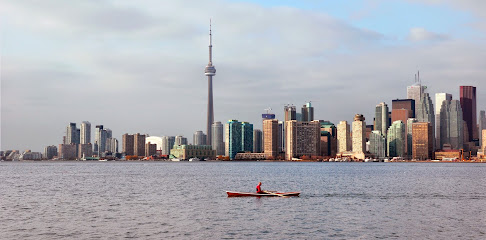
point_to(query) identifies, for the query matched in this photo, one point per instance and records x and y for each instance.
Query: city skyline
(58, 68)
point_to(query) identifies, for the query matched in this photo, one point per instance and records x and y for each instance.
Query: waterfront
(187, 200)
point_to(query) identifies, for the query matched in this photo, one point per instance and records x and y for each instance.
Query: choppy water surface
(186, 200)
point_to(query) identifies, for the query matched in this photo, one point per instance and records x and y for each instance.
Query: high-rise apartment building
(439, 99)
(328, 139)
(422, 142)
(150, 149)
(396, 139)
(468, 106)
(100, 140)
(167, 144)
(302, 138)
(180, 140)
(72, 134)
(270, 137)
(307, 112)
(381, 118)
(257, 140)
(343, 137)
(217, 136)
(128, 143)
(85, 132)
(451, 125)
(246, 137)
(50, 152)
(67, 151)
(290, 113)
(199, 138)
(377, 144)
(359, 134)
(233, 137)
(85, 150)
(281, 136)
(139, 144)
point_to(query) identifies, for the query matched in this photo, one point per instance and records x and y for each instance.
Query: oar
(276, 194)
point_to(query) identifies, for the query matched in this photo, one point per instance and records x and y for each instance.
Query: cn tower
(210, 71)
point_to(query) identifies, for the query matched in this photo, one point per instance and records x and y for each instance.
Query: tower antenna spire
(210, 71)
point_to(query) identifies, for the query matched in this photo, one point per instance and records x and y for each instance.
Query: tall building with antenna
(416, 90)
(210, 71)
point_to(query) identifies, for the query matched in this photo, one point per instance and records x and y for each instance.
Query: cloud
(420, 34)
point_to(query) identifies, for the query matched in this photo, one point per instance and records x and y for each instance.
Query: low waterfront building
(192, 151)
(250, 156)
(448, 155)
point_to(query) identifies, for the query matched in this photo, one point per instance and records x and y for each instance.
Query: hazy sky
(138, 66)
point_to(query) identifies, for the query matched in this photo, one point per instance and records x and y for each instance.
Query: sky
(138, 66)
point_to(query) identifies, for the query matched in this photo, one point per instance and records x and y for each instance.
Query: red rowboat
(268, 194)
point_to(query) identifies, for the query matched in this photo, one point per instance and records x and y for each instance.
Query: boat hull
(276, 194)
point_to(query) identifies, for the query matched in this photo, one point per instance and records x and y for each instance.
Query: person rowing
(259, 188)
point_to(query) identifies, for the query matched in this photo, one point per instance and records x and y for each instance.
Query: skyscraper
(127, 144)
(100, 140)
(85, 137)
(246, 137)
(439, 99)
(396, 139)
(481, 125)
(359, 134)
(199, 138)
(72, 135)
(180, 140)
(451, 125)
(233, 138)
(409, 141)
(425, 113)
(416, 90)
(381, 118)
(422, 142)
(167, 144)
(210, 71)
(270, 137)
(139, 144)
(377, 144)
(468, 105)
(218, 144)
(307, 112)
(302, 138)
(257, 140)
(343, 137)
(290, 113)
(408, 104)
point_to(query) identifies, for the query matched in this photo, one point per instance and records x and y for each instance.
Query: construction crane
(268, 109)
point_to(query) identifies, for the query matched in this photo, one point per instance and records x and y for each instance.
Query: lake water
(187, 200)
